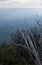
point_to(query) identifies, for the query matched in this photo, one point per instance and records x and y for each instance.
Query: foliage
(13, 55)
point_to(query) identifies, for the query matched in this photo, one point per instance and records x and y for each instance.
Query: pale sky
(20, 3)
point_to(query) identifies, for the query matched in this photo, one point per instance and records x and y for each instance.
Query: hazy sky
(19, 12)
(21, 3)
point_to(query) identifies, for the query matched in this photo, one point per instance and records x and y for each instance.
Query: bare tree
(29, 46)
(40, 33)
(40, 28)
